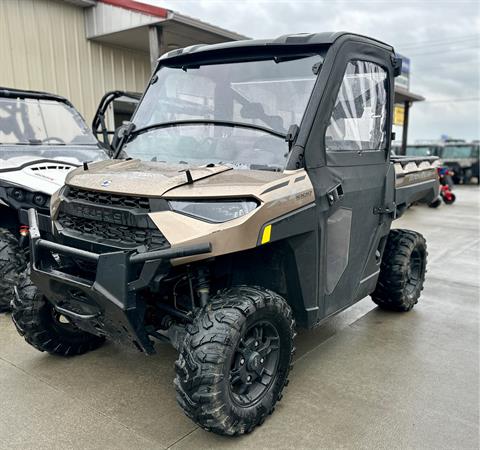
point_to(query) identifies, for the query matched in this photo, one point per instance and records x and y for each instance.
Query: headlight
(18, 195)
(217, 211)
(39, 199)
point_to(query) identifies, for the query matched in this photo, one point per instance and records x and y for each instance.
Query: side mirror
(120, 135)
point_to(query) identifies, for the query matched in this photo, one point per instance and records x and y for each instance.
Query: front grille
(109, 233)
(108, 199)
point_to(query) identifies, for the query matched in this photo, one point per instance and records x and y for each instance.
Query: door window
(359, 118)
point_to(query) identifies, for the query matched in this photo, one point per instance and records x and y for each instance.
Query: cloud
(440, 37)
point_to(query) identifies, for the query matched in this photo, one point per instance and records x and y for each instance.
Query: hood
(154, 179)
(13, 157)
(45, 176)
(43, 169)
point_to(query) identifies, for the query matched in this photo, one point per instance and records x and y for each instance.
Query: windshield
(271, 93)
(41, 122)
(14, 157)
(458, 151)
(421, 151)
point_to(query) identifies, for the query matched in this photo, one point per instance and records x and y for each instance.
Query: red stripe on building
(132, 5)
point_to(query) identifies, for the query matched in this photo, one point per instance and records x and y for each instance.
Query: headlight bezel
(21, 197)
(245, 205)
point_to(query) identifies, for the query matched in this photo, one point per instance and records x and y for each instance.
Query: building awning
(147, 28)
(402, 95)
(154, 31)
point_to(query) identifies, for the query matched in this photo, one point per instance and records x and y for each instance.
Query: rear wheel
(13, 261)
(44, 328)
(449, 199)
(436, 203)
(402, 271)
(235, 360)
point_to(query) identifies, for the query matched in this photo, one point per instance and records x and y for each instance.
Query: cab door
(354, 184)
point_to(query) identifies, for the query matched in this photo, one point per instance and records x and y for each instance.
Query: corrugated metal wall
(43, 46)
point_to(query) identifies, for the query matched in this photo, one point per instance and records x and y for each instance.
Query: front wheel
(235, 360)
(13, 261)
(43, 327)
(402, 271)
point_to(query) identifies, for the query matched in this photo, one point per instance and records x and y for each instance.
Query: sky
(441, 38)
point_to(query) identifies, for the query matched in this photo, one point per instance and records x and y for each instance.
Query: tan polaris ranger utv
(253, 191)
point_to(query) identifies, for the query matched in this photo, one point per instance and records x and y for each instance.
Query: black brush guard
(107, 305)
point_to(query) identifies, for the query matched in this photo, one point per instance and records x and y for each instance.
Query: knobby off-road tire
(45, 329)
(402, 271)
(242, 331)
(13, 262)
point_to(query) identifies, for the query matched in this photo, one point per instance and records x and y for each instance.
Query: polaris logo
(98, 214)
(106, 183)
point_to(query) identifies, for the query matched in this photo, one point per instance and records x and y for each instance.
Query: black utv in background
(463, 159)
(424, 150)
(252, 192)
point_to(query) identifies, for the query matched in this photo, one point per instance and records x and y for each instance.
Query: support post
(156, 44)
(405, 127)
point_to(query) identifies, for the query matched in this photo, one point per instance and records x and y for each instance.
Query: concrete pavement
(365, 379)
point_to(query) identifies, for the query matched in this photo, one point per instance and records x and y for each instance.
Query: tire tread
(202, 356)
(390, 291)
(28, 314)
(13, 262)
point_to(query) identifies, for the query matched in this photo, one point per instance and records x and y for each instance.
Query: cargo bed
(416, 179)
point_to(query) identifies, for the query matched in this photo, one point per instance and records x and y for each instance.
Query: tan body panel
(137, 178)
(412, 172)
(234, 183)
(292, 192)
(278, 193)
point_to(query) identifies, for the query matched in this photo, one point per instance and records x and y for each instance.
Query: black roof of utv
(22, 93)
(290, 43)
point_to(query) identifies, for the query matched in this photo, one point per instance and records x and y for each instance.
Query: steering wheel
(53, 138)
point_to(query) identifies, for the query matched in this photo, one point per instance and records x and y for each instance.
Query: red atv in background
(446, 183)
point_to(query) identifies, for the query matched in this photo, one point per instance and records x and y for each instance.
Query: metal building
(83, 48)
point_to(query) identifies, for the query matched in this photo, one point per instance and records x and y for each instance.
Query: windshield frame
(193, 60)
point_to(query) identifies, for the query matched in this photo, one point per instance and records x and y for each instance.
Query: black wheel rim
(255, 363)
(414, 272)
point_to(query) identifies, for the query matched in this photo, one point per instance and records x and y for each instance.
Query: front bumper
(44, 220)
(108, 304)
